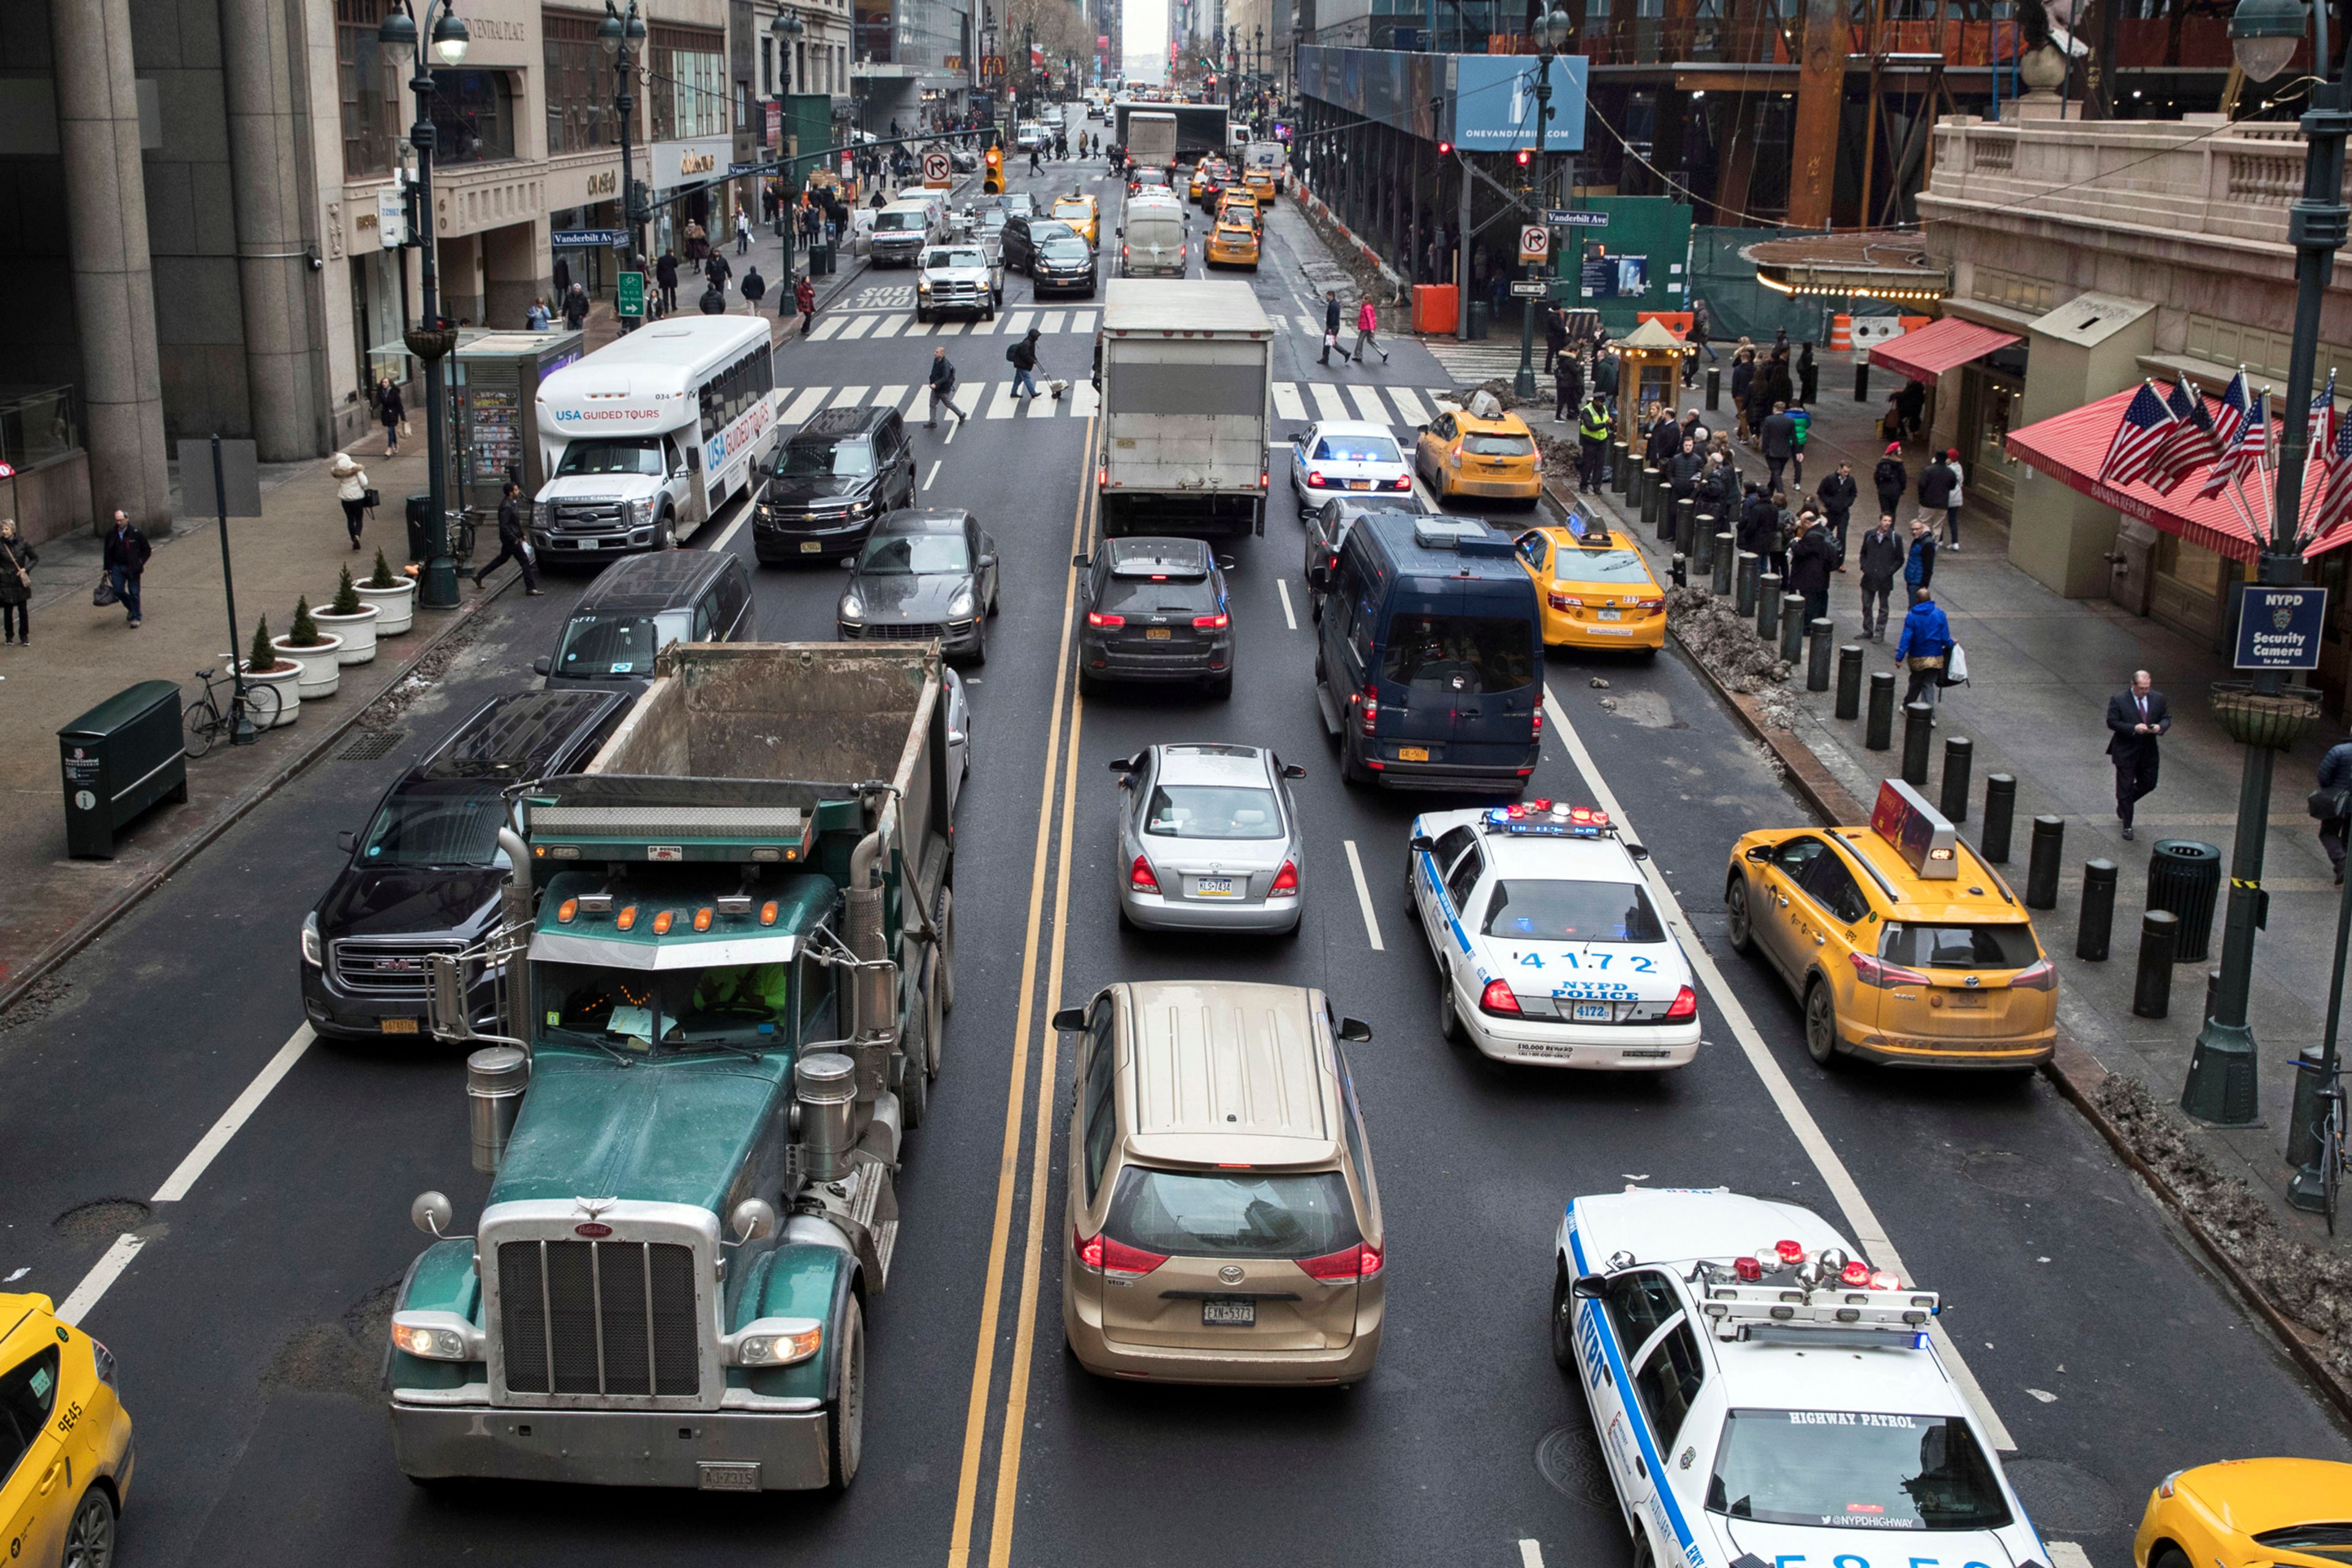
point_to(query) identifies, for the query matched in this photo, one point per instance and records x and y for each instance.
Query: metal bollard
(1703, 559)
(2042, 862)
(1620, 466)
(1793, 627)
(1918, 730)
(2001, 806)
(1749, 565)
(1878, 735)
(1726, 556)
(1686, 525)
(1861, 381)
(1849, 681)
(2159, 934)
(2092, 932)
(1817, 661)
(1959, 753)
(1676, 570)
(1652, 492)
(1768, 606)
(1714, 388)
(1636, 474)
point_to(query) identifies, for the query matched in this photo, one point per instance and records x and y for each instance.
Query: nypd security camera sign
(2279, 628)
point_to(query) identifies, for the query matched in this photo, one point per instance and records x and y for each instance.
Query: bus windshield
(625, 455)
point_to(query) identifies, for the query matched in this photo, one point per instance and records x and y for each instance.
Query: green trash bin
(2185, 878)
(119, 759)
(1480, 314)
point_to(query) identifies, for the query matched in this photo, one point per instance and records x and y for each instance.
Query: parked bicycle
(212, 718)
(2330, 1131)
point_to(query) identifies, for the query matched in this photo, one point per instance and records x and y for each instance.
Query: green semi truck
(726, 960)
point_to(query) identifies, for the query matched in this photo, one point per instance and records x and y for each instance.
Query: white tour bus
(647, 438)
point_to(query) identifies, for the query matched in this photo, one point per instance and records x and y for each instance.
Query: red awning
(1938, 346)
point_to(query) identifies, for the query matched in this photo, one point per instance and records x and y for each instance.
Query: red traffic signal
(1444, 149)
(1525, 157)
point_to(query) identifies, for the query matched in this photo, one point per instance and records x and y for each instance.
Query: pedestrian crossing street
(1401, 407)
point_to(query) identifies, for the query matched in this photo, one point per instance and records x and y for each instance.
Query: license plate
(1157, 634)
(1965, 999)
(1599, 1012)
(809, 546)
(729, 1476)
(1219, 1314)
(590, 543)
(1213, 887)
(1610, 615)
(1412, 753)
(1359, 484)
(397, 1025)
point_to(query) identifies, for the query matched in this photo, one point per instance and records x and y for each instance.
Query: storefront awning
(1928, 352)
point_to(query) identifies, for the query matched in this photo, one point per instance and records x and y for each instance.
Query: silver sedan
(1209, 840)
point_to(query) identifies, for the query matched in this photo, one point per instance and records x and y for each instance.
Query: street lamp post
(1551, 29)
(621, 33)
(397, 36)
(787, 29)
(2264, 34)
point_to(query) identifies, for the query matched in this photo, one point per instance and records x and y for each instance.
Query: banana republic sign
(687, 162)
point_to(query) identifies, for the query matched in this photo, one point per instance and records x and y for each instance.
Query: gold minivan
(1222, 1223)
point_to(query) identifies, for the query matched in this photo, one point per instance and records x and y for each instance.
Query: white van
(1153, 238)
(903, 228)
(648, 437)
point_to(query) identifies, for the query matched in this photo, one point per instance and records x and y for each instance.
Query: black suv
(637, 607)
(1024, 234)
(840, 471)
(426, 874)
(1157, 610)
(1061, 263)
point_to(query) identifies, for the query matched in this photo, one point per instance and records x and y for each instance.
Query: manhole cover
(369, 744)
(1999, 1170)
(1570, 1462)
(101, 1220)
(2066, 1500)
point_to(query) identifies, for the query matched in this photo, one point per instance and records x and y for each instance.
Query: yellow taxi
(2286, 1512)
(1596, 590)
(1901, 944)
(65, 1441)
(1232, 243)
(1240, 204)
(1259, 182)
(1461, 455)
(1082, 213)
(1210, 178)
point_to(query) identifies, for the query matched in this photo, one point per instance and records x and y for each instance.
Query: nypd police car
(1549, 948)
(1763, 1395)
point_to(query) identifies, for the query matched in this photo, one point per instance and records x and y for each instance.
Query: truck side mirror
(752, 1219)
(347, 841)
(1082, 560)
(431, 1212)
(1069, 1020)
(446, 1014)
(541, 666)
(1355, 1031)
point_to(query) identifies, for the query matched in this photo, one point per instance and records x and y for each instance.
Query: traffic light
(992, 183)
(1445, 149)
(1524, 157)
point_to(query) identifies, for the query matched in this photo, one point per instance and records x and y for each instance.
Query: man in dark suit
(2137, 720)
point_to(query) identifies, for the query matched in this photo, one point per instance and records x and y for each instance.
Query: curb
(95, 925)
(2073, 1070)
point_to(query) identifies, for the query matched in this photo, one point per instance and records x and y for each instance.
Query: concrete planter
(358, 632)
(290, 692)
(323, 668)
(395, 606)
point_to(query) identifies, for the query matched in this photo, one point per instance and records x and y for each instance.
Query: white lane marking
(1363, 895)
(826, 327)
(1861, 1219)
(1082, 321)
(859, 327)
(889, 396)
(1368, 403)
(954, 425)
(1016, 323)
(176, 1186)
(851, 397)
(1044, 405)
(1311, 325)
(1444, 399)
(950, 329)
(804, 404)
(1282, 585)
(2066, 1554)
(1287, 404)
(1050, 323)
(1002, 406)
(1084, 400)
(933, 474)
(889, 326)
(102, 1274)
(1409, 406)
(719, 545)
(1327, 400)
(1530, 1553)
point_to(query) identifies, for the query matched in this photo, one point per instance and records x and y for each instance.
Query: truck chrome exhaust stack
(826, 1086)
(496, 1077)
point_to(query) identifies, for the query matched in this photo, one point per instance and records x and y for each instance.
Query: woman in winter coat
(1743, 375)
(1809, 376)
(17, 559)
(1759, 524)
(1892, 480)
(351, 489)
(391, 411)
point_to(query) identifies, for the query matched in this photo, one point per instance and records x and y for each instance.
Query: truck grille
(599, 1317)
(386, 968)
(586, 516)
(893, 631)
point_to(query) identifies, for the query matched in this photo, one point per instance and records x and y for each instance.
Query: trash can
(2185, 878)
(820, 262)
(1479, 313)
(420, 528)
(119, 759)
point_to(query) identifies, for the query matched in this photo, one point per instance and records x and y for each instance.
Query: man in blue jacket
(1925, 648)
(1919, 567)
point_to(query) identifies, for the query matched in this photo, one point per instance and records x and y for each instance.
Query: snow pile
(1727, 644)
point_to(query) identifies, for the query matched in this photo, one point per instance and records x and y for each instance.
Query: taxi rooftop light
(1923, 836)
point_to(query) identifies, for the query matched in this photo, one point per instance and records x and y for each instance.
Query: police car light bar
(1733, 1309)
(1548, 819)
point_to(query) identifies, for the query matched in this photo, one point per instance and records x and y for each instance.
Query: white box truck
(1187, 371)
(1151, 139)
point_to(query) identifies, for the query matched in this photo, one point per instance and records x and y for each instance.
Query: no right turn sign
(1535, 242)
(936, 171)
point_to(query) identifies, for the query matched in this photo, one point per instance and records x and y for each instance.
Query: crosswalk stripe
(1329, 405)
(889, 396)
(1083, 321)
(1017, 323)
(859, 327)
(851, 397)
(1051, 321)
(806, 403)
(1309, 325)
(1001, 405)
(1044, 405)
(1368, 403)
(826, 327)
(1409, 406)
(1287, 404)
(1084, 400)
(952, 328)
(890, 326)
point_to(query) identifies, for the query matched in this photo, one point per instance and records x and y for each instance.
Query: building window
(742, 106)
(581, 84)
(369, 87)
(688, 87)
(473, 116)
(767, 67)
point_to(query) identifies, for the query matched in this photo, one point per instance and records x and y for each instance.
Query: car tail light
(1215, 622)
(1105, 1254)
(1563, 602)
(1140, 877)
(1497, 999)
(1370, 704)
(1881, 975)
(1285, 883)
(1684, 1007)
(1534, 717)
(1361, 1261)
(1261, 479)
(1096, 618)
(1650, 604)
(2037, 977)
(102, 1362)
(1316, 481)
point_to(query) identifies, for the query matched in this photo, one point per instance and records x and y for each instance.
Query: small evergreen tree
(306, 630)
(382, 577)
(260, 658)
(347, 596)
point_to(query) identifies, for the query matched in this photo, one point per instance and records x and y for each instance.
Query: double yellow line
(1062, 757)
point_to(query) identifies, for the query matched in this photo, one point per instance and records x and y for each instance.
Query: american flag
(2189, 444)
(2242, 453)
(2335, 480)
(2229, 421)
(2321, 432)
(2147, 423)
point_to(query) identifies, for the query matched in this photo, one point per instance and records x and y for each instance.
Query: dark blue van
(1429, 660)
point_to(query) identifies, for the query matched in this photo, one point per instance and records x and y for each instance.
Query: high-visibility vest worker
(1593, 423)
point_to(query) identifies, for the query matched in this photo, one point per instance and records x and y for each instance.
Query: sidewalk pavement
(82, 655)
(2041, 669)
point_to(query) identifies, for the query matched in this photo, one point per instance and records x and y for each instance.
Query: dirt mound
(1727, 643)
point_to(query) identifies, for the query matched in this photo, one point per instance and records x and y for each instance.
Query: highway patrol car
(1764, 1397)
(1549, 949)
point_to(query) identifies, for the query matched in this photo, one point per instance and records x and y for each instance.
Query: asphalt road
(250, 1320)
